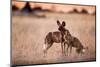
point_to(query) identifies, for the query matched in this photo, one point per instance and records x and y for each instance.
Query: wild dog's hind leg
(67, 49)
(70, 49)
(47, 47)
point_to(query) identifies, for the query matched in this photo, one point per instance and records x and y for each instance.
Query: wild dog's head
(61, 26)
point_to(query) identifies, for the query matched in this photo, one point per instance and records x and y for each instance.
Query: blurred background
(31, 6)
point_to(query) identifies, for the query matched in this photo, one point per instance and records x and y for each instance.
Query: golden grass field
(28, 33)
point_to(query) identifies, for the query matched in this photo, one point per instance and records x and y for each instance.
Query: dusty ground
(28, 33)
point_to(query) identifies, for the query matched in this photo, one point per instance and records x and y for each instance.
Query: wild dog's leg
(62, 47)
(68, 45)
(70, 49)
(48, 46)
(67, 49)
(78, 50)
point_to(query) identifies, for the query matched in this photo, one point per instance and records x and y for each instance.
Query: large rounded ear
(58, 23)
(63, 23)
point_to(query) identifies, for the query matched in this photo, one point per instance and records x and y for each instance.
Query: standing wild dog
(57, 37)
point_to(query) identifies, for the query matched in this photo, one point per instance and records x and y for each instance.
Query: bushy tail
(44, 46)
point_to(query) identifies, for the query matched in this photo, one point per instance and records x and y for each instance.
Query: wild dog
(57, 37)
(75, 42)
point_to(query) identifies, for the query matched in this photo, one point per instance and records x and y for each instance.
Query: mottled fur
(75, 42)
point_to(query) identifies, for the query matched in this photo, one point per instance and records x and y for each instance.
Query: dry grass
(28, 33)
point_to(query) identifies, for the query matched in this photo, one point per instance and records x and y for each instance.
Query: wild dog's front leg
(62, 47)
